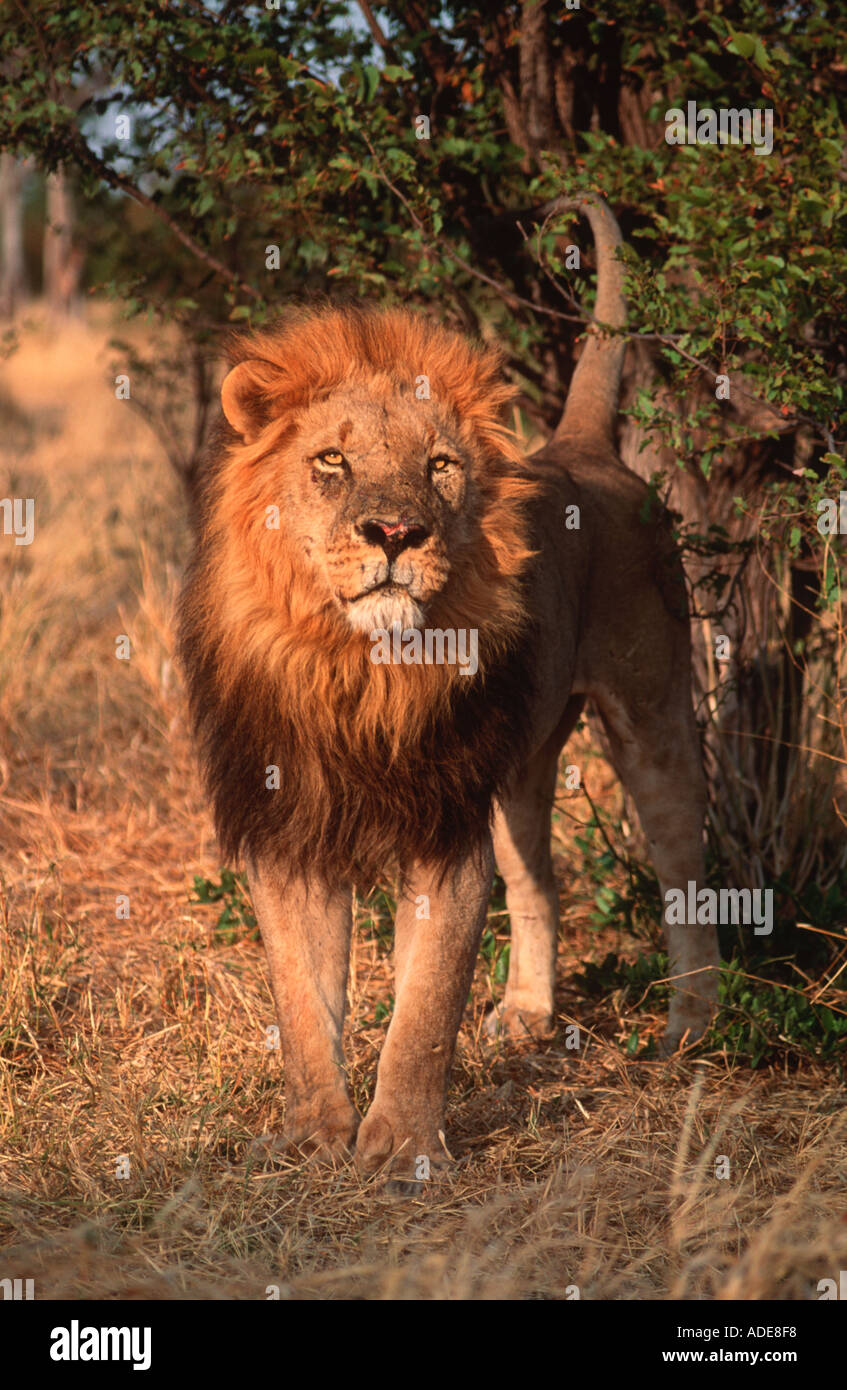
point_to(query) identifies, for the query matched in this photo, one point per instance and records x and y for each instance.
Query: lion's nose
(393, 536)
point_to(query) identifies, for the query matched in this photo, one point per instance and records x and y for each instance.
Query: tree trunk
(62, 261)
(13, 287)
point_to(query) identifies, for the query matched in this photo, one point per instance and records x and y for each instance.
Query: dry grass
(146, 1038)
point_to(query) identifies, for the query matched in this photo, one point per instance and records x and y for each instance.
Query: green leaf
(742, 44)
(760, 57)
(372, 76)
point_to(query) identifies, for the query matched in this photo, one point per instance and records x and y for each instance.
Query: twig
(672, 340)
(118, 181)
(377, 32)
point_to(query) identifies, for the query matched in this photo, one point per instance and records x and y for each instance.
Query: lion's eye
(331, 459)
(439, 463)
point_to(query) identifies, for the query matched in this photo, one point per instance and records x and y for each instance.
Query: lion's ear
(246, 397)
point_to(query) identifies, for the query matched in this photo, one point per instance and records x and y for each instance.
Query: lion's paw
(675, 1041)
(410, 1155)
(686, 1026)
(513, 1024)
(306, 1134)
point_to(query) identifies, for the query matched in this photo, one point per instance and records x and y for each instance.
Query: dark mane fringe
(356, 814)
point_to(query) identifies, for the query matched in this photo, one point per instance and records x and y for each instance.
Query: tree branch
(377, 33)
(86, 156)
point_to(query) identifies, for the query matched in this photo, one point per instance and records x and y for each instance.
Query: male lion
(364, 480)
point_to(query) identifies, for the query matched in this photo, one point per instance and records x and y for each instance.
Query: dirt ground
(134, 1066)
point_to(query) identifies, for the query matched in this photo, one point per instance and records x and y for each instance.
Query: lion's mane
(379, 765)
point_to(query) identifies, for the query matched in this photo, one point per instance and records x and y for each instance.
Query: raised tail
(592, 403)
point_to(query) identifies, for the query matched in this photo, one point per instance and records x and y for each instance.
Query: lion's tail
(592, 403)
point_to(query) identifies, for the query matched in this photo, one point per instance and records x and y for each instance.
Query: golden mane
(278, 678)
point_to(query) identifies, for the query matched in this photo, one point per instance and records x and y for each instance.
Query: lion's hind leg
(656, 753)
(522, 851)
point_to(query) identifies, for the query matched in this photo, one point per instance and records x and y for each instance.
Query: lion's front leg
(434, 964)
(306, 930)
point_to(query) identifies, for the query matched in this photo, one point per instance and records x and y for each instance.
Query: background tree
(13, 280)
(62, 259)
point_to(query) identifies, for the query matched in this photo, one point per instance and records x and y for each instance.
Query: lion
(364, 483)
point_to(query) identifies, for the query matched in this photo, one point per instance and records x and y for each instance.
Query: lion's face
(389, 510)
(378, 495)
